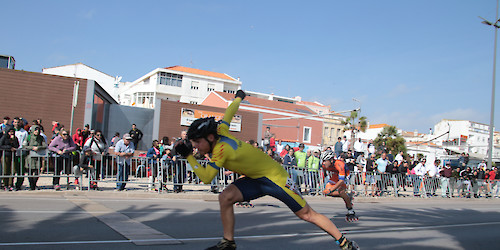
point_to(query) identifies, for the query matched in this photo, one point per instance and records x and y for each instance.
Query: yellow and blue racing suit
(263, 175)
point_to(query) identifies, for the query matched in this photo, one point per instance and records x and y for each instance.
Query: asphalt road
(110, 220)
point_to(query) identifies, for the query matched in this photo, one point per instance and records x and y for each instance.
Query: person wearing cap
(445, 180)
(124, 149)
(86, 164)
(263, 175)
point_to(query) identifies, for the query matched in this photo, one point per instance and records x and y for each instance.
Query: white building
(464, 136)
(80, 70)
(176, 83)
(371, 132)
(273, 97)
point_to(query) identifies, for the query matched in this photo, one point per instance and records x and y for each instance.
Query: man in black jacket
(136, 135)
(8, 145)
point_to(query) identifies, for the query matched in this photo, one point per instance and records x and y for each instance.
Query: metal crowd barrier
(309, 181)
(21, 163)
(161, 175)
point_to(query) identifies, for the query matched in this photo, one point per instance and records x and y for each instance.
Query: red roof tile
(379, 125)
(201, 72)
(270, 104)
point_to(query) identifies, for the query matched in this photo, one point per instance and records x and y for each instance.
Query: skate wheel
(351, 219)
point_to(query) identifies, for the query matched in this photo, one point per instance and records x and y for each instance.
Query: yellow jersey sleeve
(206, 174)
(223, 128)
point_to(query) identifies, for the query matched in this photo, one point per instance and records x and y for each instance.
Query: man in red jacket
(445, 180)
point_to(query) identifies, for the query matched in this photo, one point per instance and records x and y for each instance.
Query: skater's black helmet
(201, 128)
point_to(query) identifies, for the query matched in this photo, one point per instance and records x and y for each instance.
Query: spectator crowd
(24, 147)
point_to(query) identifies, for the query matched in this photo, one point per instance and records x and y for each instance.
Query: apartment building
(176, 83)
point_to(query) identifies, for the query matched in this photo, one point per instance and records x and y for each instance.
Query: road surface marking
(133, 230)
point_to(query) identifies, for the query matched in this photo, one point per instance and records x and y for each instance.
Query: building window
(170, 79)
(451, 142)
(193, 102)
(211, 87)
(307, 134)
(143, 99)
(194, 85)
(229, 91)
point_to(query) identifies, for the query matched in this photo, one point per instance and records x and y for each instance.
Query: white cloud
(422, 122)
(89, 14)
(405, 121)
(462, 114)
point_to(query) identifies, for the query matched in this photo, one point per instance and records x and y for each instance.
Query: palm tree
(351, 124)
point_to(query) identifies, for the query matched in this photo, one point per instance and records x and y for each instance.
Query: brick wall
(34, 95)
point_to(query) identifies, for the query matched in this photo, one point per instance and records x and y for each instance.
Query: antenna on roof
(117, 80)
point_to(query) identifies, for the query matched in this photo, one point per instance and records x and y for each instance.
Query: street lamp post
(358, 111)
(495, 25)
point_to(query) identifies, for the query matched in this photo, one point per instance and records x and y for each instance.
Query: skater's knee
(306, 214)
(230, 196)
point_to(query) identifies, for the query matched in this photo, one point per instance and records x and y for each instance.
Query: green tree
(393, 140)
(355, 126)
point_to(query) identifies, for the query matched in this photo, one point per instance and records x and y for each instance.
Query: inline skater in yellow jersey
(263, 175)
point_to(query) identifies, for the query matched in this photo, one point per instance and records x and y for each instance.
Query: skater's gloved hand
(184, 148)
(240, 94)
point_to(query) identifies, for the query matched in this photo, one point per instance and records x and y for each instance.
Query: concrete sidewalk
(140, 188)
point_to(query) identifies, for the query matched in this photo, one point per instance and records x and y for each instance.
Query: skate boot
(346, 244)
(224, 245)
(351, 216)
(350, 245)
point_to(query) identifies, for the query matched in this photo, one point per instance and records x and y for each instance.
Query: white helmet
(327, 155)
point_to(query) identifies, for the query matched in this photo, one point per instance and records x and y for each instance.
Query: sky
(407, 63)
